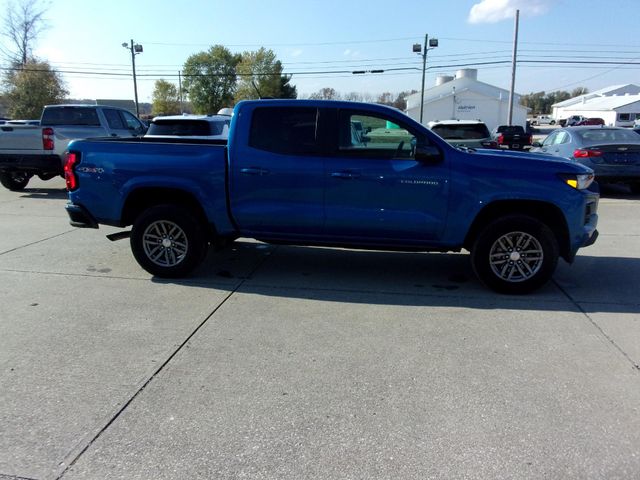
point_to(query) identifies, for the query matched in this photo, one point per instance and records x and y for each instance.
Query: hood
(526, 160)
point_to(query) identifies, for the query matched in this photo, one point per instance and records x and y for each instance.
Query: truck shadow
(591, 284)
(45, 193)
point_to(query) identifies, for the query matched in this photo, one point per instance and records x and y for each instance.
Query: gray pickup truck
(28, 150)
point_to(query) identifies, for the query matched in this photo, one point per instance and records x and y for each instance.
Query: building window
(624, 117)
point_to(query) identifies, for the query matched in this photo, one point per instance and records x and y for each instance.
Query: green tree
(260, 75)
(165, 98)
(32, 87)
(210, 79)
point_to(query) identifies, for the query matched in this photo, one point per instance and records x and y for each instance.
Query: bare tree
(22, 26)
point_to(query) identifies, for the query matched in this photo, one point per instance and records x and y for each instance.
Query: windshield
(471, 131)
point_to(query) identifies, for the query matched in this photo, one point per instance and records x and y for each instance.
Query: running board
(119, 235)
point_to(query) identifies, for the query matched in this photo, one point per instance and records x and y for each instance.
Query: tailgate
(20, 139)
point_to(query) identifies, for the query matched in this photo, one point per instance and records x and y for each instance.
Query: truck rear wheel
(515, 254)
(168, 241)
(15, 181)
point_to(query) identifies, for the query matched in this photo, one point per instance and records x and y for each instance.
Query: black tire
(552, 122)
(515, 254)
(168, 241)
(15, 181)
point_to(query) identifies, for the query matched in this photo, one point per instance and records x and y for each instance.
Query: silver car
(612, 152)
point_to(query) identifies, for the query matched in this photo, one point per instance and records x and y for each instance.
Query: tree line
(540, 102)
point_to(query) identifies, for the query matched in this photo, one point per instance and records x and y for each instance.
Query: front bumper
(80, 216)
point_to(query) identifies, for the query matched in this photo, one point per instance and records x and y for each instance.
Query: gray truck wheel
(515, 254)
(168, 241)
(15, 181)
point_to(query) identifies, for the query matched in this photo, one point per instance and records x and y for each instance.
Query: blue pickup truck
(337, 174)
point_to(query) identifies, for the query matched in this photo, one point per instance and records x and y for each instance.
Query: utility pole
(428, 45)
(180, 90)
(513, 69)
(135, 48)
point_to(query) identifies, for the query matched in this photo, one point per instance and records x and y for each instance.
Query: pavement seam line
(5, 476)
(38, 241)
(636, 366)
(121, 410)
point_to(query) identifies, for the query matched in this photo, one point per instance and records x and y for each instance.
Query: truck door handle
(114, 134)
(254, 171)
(346, 175)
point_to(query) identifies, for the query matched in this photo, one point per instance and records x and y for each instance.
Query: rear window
(187, 128)
(603, 135)
(470, 131)
(288, 131)
(511, 129)
(70, 116)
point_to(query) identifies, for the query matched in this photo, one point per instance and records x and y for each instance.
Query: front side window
(132, 122)
(550, 140)
(374, 136)
(285, 130)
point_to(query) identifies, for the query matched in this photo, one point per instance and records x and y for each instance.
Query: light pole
(417, 48)
(135, 49)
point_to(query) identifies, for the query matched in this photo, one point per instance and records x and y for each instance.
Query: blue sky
(328, 36)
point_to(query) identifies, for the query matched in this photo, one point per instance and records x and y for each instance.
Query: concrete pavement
(292, 362)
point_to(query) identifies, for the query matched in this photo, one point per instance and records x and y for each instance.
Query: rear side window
(113, 119)
(181, 128)
(288, 131)
(70, 116)
(472, 131)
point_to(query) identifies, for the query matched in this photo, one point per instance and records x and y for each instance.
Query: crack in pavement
(38, 241)
(635, 365)
(158, 370)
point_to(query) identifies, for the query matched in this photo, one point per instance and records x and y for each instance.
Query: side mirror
(428, 154)
(536, 144)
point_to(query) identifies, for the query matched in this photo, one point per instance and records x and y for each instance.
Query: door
(276, 173)
(377, 192)
(122, 123)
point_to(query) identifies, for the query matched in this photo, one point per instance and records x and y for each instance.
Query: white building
(615, 110)
(576, 105)
(463, 97)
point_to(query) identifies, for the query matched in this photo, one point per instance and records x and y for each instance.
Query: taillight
(586, 153)
(47, 139)
(70, 161)
(530, 139)
(500, 139)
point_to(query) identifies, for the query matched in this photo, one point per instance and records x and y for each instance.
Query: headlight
(579, 182)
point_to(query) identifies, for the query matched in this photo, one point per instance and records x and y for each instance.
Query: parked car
(513, 137)
(571, 121)
(612, 152)
(292, 172)
(542, 120)
(463, 133)
(212, 127)
(590, 121)
(27, 150)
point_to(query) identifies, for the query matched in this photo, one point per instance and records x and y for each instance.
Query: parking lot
(311, 363)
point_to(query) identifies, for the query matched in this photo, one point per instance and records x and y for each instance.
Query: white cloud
(492, 11)
(351, 53)
(296, 52)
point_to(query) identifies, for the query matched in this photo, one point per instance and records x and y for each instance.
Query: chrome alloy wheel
(516, 257)
(165, 243)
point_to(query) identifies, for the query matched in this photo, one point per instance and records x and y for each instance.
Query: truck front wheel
(515, 254)
(14, 180)
(168, 241)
